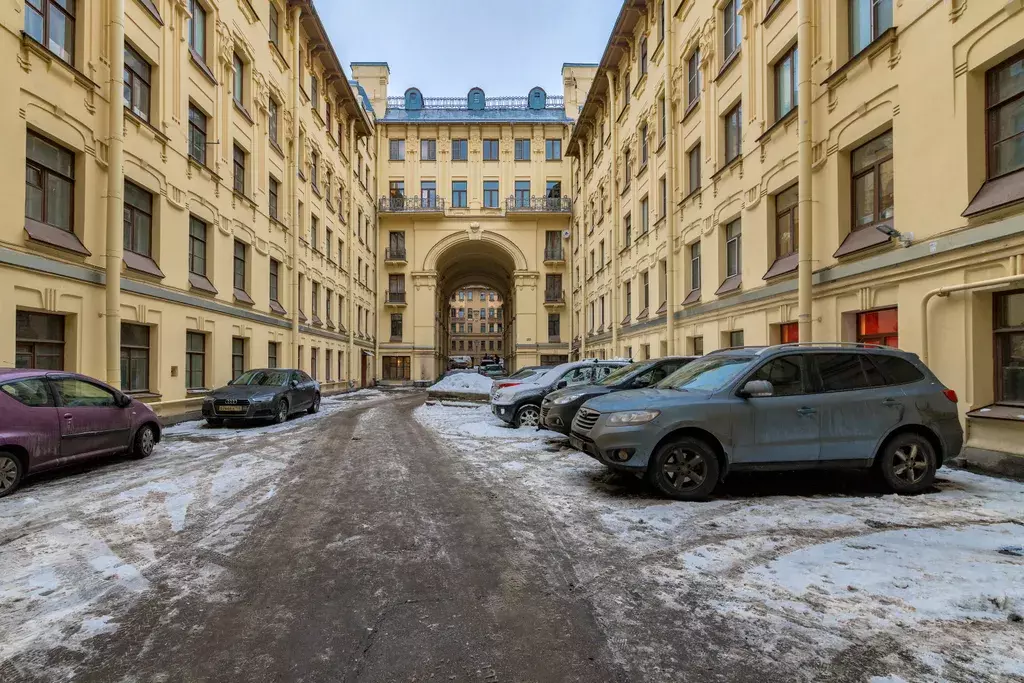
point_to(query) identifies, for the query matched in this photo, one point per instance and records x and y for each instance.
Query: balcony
(401, 206)
(554, 256)
(532, 206)
(394, 299)
(395, 256)
(554, 298)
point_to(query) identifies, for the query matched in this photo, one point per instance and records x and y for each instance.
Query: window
(490, 150)
(786, 83)
(627, 89)
(1005, 109)
(33, 393)
(601, 247)
(868, 20)
(896, 370)
(627, 230)
(239, 166)
(846, 371)
(396, 189)
(52, 23)
(237, 79)
(554, 326)
(197, 29)
(396, 368)
(314, 232)
(553, 189)
(274, 189)
(1009, 351)
(428, 150)
(880, 327)
(239, 266)
(627, 296)
(787, 222)
(553, 150)
(134, 357)
(272, 121)
(693, 168)
(552, 289)
(733, 249)
(644, 150)
(662, 120)
(196, 246)
(732, 28)
(314, 92)
(328, 242)
(645, 290)
(76, 393)
(459, 194)
(490, 194)
(274, 23)
(314, 170)
(314, 361)
(237, 357)
(195, 360)
(196, 134)
(785, 373)
(645, 216)
(275, 282)
(697, 346)
(428, 194)
(627, 168)
(460, 150)
(49, 183)
(396, 150)
(789, 333)
(136, 82)
(328, 304)
(693, 78)
(733, 131)
(138, 219)
(396, 326)
(314, 300)
(522, 149)
(39, 341)
(522, 193)
(662, 197)
(872, 168)
(643, 56)
(735, 339)
(695, 266)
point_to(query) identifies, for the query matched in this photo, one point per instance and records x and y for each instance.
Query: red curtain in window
(789, 333)
(879, 327)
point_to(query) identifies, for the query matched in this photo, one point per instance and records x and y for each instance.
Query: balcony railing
(554, 254)
(395, 298)
(552, 296)
(394, 254)
(410, 204)
(539, 204)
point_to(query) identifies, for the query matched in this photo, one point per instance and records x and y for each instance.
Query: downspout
(378, 271)
(1018, 276)
(294, 190)
(616, 208)
(805, 209)
(351, 246)
(583, 283)
(670, 205)
(115, 197)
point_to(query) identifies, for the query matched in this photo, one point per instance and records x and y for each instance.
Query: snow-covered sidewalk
(829, 582)
(463, 383)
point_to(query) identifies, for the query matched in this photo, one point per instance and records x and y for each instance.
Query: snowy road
(387, 540)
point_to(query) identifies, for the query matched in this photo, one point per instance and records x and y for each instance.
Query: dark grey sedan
(266, 394)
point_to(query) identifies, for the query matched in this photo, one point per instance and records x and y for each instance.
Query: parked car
(520, 376)
(560, 407)
(52, 419)
(266, 394)
(778, 408)
(492, 370)
(520, 405)
(459, 362)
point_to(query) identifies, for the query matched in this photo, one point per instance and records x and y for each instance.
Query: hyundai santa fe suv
(778, 408)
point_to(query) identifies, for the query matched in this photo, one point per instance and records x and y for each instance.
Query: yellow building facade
(476, 326)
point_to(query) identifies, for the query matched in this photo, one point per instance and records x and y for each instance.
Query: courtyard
(392, 538)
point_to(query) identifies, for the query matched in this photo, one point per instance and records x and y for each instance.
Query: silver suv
(778, 408)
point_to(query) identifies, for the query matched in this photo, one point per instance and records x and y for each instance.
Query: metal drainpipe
(583, 280)
(115, 197)
(670, 140)
(805, 210)
(616, 207)
(294, 176)
(351, 246)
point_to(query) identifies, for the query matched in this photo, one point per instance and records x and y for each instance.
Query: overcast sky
(446, 47)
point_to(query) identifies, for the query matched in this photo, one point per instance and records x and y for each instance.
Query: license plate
(577, 444)
(232, 409)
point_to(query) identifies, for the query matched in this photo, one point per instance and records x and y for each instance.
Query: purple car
(50, 419)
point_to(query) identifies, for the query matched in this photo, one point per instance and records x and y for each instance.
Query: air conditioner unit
(566, 234)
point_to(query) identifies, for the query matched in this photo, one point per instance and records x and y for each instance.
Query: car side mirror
(123, 400)
(562, 384)
(294, 383)
(758, 388)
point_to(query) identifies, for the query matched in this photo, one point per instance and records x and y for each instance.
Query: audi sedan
(267, 394)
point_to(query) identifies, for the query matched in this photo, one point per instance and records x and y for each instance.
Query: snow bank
(463, 383)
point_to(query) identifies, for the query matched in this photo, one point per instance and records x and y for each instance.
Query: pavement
(385, 540)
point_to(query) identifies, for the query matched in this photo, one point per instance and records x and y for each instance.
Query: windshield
(621, 373)
(262, 378)
(710, 373)
(526, 372)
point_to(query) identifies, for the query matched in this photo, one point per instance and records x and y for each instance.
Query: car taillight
(950, 394)
(502, 385)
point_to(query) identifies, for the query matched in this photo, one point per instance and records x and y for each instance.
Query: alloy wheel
(529, 417)
(909, 463)
(147, 440)
(685, 470)
(316, 403)
(282, 411)
(8, 472)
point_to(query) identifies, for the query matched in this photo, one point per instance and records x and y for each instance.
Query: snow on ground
(78, 544)
(463, 383)
(815, 576)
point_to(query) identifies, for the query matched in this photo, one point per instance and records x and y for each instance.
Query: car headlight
(633, 417)
(207, 399)
(266, 398)
(568, 398)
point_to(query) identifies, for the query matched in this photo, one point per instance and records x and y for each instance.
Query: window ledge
(998, 412)
(203, 167)
(783, 266)
(859, 240)
(144, 395)
(275, 307)
(201, 65)
(839, 75)
(197, 392)
(997, 193)
(153, 12)
(641, 170)
(625, 189)
(201, 283)
(691, 298)
(30, 43)
(243, 298)
(776, 4)
(55, 237)
(690, 108)
(240, 108)
(733, 283)
(141, 263)
(789, 116)
(729, 164)
(727, 64)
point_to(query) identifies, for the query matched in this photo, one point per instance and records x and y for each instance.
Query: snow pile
(463, 383)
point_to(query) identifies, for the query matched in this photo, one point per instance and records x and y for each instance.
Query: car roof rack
(852, 345)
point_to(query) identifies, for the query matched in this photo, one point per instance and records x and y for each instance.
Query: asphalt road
(377, 560)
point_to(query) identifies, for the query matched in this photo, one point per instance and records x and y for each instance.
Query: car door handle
(67, 416)
(891, 403)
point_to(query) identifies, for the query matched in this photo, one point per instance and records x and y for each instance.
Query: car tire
(907, 464)
(684, 469)
(214, 422)
(527, 416)
(11, 472)
(281, 411)
(145, 441)
(315, 405)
